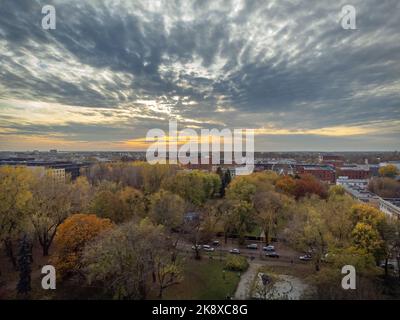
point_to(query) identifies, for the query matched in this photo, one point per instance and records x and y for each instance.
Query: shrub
(236, 263)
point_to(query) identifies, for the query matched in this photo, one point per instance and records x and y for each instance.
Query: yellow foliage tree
(389, 171)
(72, 236)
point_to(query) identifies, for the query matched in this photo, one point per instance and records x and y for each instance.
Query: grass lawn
(204, 280)
(302, 271)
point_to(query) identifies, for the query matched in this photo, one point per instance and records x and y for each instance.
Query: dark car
(272, 254)
(252, 246)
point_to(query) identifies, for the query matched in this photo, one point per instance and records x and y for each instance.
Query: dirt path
(243, 289)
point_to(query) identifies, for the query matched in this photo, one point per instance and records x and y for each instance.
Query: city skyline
(112, 70)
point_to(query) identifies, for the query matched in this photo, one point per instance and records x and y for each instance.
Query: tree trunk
(197, 257)
(45, 250)
(386, 267)
(10, 252)
(266, 235)
(317, 268)
(398, 266)
(160, 292)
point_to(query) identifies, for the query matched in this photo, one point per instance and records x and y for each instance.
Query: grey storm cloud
(260, 64)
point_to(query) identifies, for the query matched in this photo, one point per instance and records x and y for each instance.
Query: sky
(114, 69)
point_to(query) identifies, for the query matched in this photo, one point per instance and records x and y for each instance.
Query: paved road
(286, 254)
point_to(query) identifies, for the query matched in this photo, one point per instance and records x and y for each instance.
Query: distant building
(345, 181)
(355, 171)
(335, 161)
(361, 194)
(321, 172)
(57, 168)
(390, 206)
(281, 166)
(56, 174)
(53, 151)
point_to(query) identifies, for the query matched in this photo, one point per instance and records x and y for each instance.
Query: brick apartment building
(354, 172)
(323, 173)
(332, 160)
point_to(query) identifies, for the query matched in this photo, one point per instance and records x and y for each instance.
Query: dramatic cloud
(113, 69)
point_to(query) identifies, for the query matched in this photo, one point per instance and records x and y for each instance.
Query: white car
(306, 257)
(269, 248)
(206, 247)
(234, 251)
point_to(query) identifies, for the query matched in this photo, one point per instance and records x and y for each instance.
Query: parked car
(234, 251)
(197, 246)
(269, 248)
(207, 247)
(215, 243)
(272, 254)
(305, 257)
(252, 246)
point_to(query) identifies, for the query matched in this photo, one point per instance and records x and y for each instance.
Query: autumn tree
(81, 192)
(133, 204)
(243, 218)
(15, 194)
(336, 190)
(385, 187)
(270, 212)
(337, 215)
(72, 236)
(223, 215)
(367, 214)
(367, 238)
(195, 187)
(308, 185)
(390, 234)
(167, 209)
(153, 175)
(286, 184)
(106, 202)
(389, 171)
(308, 231)
(167, 272)
(50, 205)
(326, 283)
(128, 259)
(241, 189)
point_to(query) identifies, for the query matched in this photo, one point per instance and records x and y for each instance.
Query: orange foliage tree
(308, 185)
(305, 185)
(72, 236)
